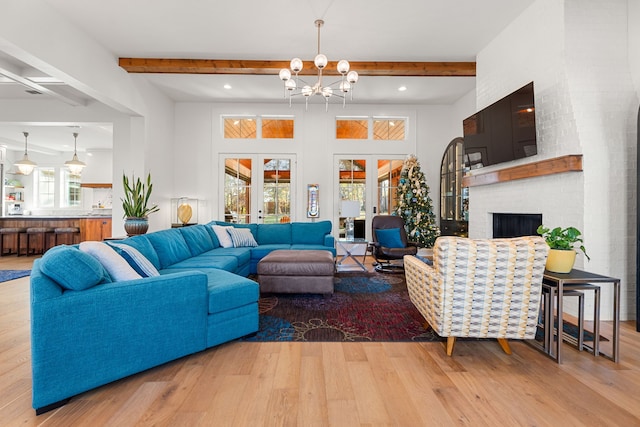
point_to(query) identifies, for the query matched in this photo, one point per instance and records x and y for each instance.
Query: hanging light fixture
(75, 166)
(342, 86)
(25, 166)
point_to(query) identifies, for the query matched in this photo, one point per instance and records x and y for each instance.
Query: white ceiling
(356, 30)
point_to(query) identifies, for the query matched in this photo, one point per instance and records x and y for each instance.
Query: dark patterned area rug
(363, 307)
(6, 275)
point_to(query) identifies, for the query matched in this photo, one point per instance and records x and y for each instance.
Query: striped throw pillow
(135, 259)
(241, 237)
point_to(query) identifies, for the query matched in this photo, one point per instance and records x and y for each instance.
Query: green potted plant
(562, 243)
(136, 204)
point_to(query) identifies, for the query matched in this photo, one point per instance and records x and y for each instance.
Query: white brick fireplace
(586, 104)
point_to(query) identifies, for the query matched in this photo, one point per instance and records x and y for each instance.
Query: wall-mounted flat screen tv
(502, 132)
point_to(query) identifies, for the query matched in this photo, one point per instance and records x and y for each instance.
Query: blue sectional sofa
(89, 329)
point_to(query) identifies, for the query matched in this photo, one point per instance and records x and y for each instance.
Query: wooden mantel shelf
(569, 163)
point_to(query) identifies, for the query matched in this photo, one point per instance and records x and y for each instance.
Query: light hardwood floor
(342, 384)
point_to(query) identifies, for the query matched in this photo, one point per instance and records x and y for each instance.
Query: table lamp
(350, 209)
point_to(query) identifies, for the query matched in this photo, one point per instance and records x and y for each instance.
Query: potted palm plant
(562, 243)
(136, 204)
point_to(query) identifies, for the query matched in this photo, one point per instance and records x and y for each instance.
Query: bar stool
(65, 232)
(13, 232)
(42, 234)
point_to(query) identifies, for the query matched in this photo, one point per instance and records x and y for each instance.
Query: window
(352, 128)
(243, 128)
(46, 187)
(277, 190)
(277, 128)
(353, 185)
(389, 171)
(388, 129)
(384, 128)
(237, 191)
(57, 188)
(71, 189)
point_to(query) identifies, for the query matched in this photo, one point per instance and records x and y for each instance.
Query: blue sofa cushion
(206, 262)
(309, 233)
(212, 235)
(228, 291)
(144, 246)
(262, 251)
(274, 234)
(170, 246)
(73, 269)
(198, 239)
(389, 237)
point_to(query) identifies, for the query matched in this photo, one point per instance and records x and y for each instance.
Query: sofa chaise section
(82, 339)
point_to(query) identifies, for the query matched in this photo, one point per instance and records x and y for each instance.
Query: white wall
(99, 168)
(199, 145)
(585, 100)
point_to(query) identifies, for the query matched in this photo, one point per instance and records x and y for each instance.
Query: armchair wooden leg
(505, 345)
(451, 341)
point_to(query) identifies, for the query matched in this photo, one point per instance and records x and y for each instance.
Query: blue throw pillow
(389, 238)
(73, 269)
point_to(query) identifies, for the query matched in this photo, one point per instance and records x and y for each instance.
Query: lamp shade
(25, 166)
(75, 166)
(350, 209)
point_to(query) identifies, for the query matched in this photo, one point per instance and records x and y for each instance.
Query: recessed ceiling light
(402, 88)
(227, 86)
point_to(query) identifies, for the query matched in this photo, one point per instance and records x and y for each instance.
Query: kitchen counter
(50, 217)
(92, 227)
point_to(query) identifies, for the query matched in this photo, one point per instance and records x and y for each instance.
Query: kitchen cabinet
(95, 228)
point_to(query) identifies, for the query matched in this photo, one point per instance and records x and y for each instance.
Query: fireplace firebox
(515, 225)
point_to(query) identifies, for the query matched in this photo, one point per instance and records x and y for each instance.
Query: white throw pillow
(118, 268)
(223, 236)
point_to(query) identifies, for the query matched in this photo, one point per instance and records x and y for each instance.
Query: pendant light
(75, 166)
(25, 166)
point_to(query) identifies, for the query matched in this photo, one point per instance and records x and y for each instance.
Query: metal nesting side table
(579, 277)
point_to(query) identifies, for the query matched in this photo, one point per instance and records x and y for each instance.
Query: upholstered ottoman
(297, 271)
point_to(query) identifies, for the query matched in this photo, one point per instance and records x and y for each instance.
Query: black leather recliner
(385, 255)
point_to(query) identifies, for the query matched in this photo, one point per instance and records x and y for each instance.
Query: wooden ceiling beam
(257, 67)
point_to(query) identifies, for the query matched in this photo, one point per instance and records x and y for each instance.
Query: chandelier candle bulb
(339, 88)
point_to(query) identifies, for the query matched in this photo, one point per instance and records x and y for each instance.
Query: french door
(372, 181)
(257, 188)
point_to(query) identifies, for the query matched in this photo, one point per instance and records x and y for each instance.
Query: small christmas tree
(414, 205)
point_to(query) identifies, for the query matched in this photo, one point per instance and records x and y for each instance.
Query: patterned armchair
(480, 288)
